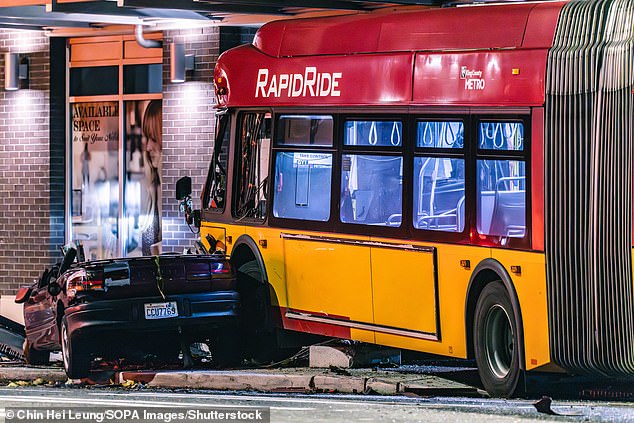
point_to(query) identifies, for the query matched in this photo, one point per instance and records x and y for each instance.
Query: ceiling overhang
(163, 14)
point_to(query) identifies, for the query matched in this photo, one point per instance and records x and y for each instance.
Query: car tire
(76, 357)
(35, 357)
(226, 348)
(496, 342)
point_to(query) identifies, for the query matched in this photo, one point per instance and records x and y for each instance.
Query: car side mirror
(23, 294)
(183, 188)
(54, 288)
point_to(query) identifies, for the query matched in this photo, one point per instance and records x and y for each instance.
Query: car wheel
(35, 357)
(76, 358)
(226, 348)
(496, 342)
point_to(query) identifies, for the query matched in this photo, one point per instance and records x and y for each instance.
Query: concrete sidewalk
(359, 381)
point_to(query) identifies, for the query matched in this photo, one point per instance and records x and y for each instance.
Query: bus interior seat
(394, 220)
(450, 220)
(509, 214)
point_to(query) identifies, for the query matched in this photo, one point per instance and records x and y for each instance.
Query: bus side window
(302, 185)
(371, 189)
(501, 198)
(501, 182)
(439, 181)
(252, 157)
(303, 177)
(439, 195)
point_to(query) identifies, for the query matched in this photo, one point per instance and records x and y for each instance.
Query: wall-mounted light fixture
(16, 71)
(180, 62)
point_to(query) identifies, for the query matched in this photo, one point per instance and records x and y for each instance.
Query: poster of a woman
(144, 163)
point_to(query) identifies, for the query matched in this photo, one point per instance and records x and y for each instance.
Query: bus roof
(476, 55)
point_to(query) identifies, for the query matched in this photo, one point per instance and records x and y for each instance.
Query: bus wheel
(496, 342)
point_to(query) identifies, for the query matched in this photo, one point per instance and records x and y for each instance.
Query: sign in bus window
(371, 190)
(302, 185)
(501, 198)
(439, 201)
(438, 134)
(373, 133)
(304, 130)
(501, 136)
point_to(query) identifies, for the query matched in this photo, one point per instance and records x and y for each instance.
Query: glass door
(95, 177)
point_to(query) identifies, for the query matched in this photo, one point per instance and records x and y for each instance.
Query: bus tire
(496, 342)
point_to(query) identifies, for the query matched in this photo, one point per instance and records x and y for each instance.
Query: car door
(40, 317)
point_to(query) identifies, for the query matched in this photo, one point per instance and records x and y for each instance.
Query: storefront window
(115, 150)
(82, 80)
(95, 180)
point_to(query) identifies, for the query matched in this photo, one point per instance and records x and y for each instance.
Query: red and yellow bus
(451, 180)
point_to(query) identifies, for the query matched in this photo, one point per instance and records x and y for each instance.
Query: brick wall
(32, 147)
(188, 129)
(25, 219)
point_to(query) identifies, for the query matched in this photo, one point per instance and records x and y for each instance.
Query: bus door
(328, 281)
(404, 288)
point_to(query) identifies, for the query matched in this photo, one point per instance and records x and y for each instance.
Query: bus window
(501, 198)
(371, 189)
(439, 182)
(302, 185)
(439, 194)
(433, 134)
(254, 143)
(216, 183)
(304, 130)
(502, 136)
(374, 133)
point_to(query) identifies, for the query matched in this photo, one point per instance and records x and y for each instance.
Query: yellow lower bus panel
(412, 294)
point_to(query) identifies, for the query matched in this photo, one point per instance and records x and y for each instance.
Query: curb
(236, 381)
(10, 374)
(219, 380)
(262, 381)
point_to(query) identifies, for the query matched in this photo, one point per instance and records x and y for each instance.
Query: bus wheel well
(478, 282)
(257, 323)
(252, 280)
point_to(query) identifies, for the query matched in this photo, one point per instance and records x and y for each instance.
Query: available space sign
(95, 122)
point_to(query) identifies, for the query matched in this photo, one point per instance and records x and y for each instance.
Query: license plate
(160, 310)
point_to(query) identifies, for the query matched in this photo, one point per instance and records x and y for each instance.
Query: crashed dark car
(110, 308)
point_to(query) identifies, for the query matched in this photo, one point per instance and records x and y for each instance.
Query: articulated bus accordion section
(588, 192)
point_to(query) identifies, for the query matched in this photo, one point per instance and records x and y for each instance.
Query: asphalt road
(321, 408)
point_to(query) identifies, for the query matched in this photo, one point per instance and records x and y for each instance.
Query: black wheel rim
(498, 341)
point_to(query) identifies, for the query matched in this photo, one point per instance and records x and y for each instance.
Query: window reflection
(371, 190)
(502, 136)
(304, 130)
(501, 198)
(440, 134)
(373, 133)
(439, 200)
(302, 185)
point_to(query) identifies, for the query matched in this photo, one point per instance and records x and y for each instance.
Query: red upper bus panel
(477, 55)
(462, 28)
